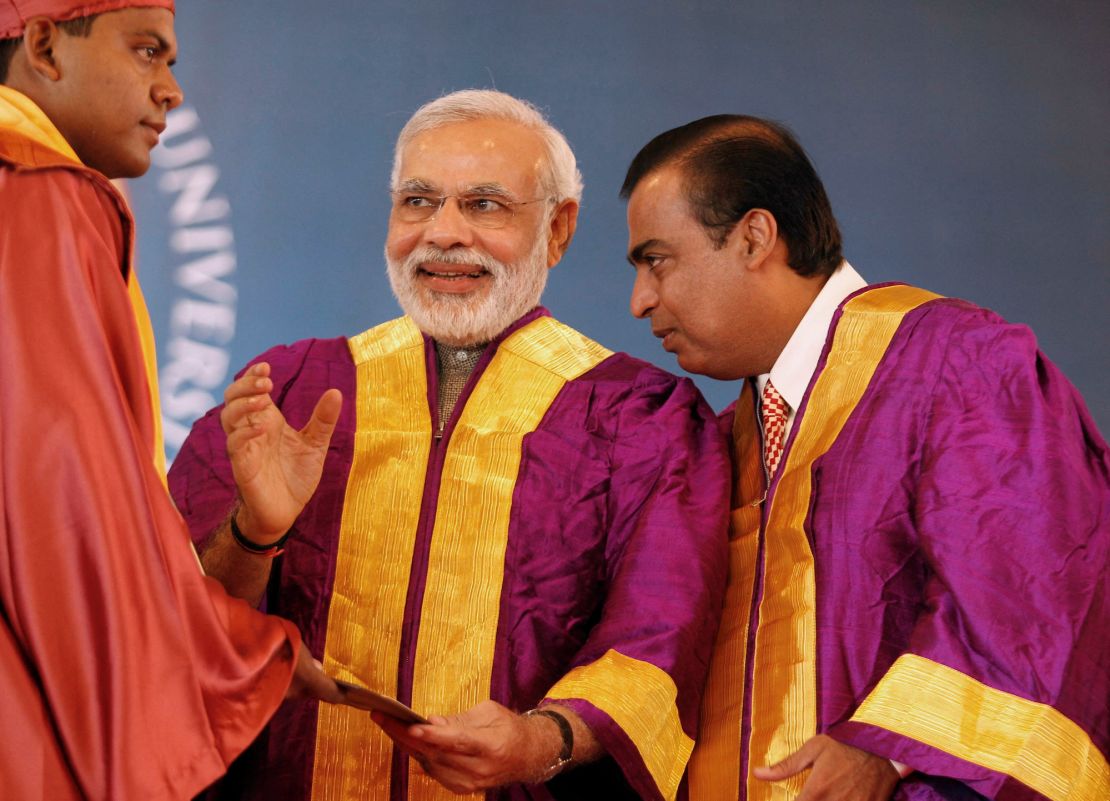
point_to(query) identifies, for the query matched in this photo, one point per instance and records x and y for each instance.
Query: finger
(239, 438)
(318, 430)
(451, 740)
(239, 410)
(245, 412)
(248, 384)
(399, 732)
(457, 781)
(795, 763)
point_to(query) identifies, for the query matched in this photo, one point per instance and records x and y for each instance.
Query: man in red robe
(125, 673)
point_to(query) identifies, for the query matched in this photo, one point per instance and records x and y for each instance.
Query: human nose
(644, 297)
(168, 91)
(448, 227)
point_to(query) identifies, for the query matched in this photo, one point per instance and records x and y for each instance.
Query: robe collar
(27, 136)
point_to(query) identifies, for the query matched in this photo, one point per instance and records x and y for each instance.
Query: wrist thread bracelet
(566, 732)
(268, 551)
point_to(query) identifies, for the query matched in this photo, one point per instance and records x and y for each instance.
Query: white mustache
(464, 257)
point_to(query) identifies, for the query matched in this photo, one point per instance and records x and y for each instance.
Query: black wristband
(273, 549)
(567, 734)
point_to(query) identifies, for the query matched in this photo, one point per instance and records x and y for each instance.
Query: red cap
(15, 13)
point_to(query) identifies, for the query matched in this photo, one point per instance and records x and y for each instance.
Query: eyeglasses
(483, 211)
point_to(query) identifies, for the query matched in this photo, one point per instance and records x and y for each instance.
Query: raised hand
(276, 467)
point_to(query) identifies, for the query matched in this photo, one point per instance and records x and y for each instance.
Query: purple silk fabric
(616, 540)
(963, 514)
(300, 587)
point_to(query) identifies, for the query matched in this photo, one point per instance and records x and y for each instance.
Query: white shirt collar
(796, 364)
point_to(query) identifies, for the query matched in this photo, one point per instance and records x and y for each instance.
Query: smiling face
(711, 306)
(463, 283)
(115, 88)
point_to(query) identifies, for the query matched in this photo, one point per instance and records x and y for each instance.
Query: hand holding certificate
(362, 698)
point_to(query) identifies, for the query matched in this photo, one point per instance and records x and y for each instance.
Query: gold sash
(458, 622)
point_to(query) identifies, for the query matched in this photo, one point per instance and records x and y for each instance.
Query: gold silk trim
(784, 684)
(22, 115)
(150, 362)
(950, 711)
(640, 698)
(458, 624)
(381, 512)
(715, 764)
(462, 597)
(149, 350)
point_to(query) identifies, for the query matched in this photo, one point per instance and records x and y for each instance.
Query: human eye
(483, 206)
(652, 260)
(418, 202)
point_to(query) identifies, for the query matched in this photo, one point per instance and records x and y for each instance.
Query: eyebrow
(416, 185)
(636, 255)
(163, 44)
(423, 186)
(494, 189)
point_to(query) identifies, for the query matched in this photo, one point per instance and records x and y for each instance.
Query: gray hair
(561, 180)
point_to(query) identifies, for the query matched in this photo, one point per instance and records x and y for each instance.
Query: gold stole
(784, 681)
(455, 643)
(715, 764)
(150, 362)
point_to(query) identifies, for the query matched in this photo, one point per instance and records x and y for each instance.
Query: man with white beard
(513, 530)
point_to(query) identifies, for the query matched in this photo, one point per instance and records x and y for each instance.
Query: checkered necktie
(774, 410)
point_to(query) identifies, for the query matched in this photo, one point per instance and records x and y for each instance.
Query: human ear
(40, 38)
(758, 233)
(564, 222)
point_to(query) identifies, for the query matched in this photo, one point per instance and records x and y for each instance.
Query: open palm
(276, 467)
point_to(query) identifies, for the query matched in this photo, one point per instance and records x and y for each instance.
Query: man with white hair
(513, 530)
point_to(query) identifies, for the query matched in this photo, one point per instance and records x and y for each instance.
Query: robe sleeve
(1006, 681)
(638, 679)
(139, 677)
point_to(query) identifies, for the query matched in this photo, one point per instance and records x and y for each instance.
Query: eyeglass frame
(441, 200)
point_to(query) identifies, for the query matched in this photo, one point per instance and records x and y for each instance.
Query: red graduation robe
(125, 673)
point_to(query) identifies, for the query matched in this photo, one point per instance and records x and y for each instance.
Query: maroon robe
(126, 674)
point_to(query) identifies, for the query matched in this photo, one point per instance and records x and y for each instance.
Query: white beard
(472, 318)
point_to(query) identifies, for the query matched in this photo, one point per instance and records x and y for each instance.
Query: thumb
(800, 760)
(320, 426)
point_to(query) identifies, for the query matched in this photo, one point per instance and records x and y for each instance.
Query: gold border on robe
(649, 715)
(949, 710)
(456, 641)
(784, 683)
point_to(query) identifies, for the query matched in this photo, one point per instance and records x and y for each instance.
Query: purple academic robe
(956, 506)
(616, 543)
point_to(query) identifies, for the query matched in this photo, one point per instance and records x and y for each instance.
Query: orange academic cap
(15, 13)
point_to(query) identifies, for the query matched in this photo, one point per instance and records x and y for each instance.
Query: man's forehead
(14, 14)
(148, 22)
(660, 196)
(473, 153)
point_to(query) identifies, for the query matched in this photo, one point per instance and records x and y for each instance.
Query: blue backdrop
(964, 146)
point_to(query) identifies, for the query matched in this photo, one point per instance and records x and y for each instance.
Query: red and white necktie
(774, 411)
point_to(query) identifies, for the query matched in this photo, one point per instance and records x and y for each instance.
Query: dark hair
(7, 51)
(81, 26)
(732, 164)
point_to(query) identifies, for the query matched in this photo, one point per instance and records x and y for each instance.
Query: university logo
(195, 358)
